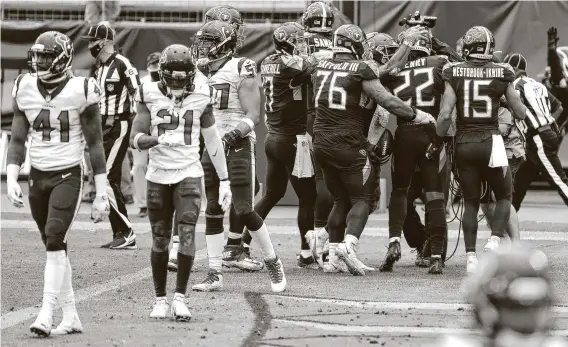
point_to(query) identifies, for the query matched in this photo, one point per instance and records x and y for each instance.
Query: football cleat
(492, 244)
(235, 256)
(69, 326)
(393, 255)
(143, 212)
(421, 260)
(42, 325)
(307, 263)
(471, 262)
(213, 282)
(334, 264)
(179, 310)
(436, 265)
(317, 240)
(160, 308)
(124, 241)
(348, 254)
(277, 276)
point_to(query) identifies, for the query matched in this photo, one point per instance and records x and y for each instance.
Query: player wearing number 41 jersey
(173, 111)
(475, 87)
(60, 113)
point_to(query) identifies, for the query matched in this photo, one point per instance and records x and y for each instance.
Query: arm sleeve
(554, 103)
(216, 151)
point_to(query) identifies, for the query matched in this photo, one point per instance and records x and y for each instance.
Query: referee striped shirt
(539, 103)
(119, 81)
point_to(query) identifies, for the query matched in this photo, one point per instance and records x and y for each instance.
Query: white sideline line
(144, 227)
(396, 305)
(12, 318)
(405, 330)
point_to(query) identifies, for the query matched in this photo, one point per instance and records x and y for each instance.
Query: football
(384, 147)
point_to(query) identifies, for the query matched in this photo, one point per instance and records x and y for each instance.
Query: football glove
(170, 140)
(100, 209)
(225, 195)
(434, 148)
(231, 138)
(423, 117)
(552, 37)
(14, 192)
(372, 154)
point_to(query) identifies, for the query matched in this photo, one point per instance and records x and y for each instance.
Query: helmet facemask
(177, 83)
(47, 65)
(207, 50)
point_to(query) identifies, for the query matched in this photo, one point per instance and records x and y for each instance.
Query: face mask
(96, 50)
(155, 76)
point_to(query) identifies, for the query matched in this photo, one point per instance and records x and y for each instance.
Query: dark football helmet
(349, 38)
(177, 70)
(478, 43)
(424, 46)
(459, 47)
(215, 40)
(289, 39)
(50, 57)
(228, 14)
(383, 46)
(318, 18)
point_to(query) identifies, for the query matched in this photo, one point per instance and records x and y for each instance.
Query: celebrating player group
(328, 96)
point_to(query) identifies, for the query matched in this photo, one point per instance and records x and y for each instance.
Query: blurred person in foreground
(558, 78)
(511, 295)
(96, 11)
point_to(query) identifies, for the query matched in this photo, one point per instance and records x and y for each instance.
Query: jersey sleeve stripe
(17, 85)
(141, 93)
(240, 64)
(86, 87)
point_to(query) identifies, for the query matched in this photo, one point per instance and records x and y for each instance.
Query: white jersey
(225, 82)
(169, 165)
(55, 136)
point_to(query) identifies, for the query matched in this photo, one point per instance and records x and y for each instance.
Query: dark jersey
(319, 45)
(338, 91)
(285, 104)
(478, 87)
(420, 84)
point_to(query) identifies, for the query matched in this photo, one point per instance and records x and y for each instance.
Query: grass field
(114, 289)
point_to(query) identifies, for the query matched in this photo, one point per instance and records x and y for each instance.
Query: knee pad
(252, 220)
(154, 199)
(213, 209)
(186, 233)
(55, 231)
(160, 236)
(213, 218)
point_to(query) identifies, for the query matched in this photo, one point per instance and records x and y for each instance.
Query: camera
(417, 19)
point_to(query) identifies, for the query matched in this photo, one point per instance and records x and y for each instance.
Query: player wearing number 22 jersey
(60, 113)
(475, 87)
(173, 111)
(236, 107)
(420, 84)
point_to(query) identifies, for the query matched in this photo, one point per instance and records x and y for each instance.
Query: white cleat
(68, 326)
(42, 325)
(349, 255)
(471, 263)
(179, 310)
(160, 309)
(276, 273)
(492, 244)
(317, 240)
(334, 264)
(213, 282)
(363, 266)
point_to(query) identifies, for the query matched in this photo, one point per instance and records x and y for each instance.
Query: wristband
(135, 141)
(414, 114)
(224, 179)
(100, 184)
(248, 122)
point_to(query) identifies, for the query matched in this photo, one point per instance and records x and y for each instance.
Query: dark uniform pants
(115, 143)
(55, 197)
(542, 156)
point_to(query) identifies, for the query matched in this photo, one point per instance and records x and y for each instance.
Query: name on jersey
(348, 66)
(479, 72)
(271, 69)
(415, 63)
(321, 43)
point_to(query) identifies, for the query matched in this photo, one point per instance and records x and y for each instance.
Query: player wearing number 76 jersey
(475, 87)
(60, 113)
(173, 111)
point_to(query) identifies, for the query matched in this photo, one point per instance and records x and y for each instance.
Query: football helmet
(349, 38)
(50, 57)
(215, 40)
(289, 39)
(231, 15)
(459, 47)
(383, 46)
(177, 70)
(423, 45)
(478, 43)
(318, 18)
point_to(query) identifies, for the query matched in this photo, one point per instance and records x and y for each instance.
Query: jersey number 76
(329, 87)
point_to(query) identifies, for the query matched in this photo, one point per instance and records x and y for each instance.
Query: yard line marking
(395, 305)
(13, 318)
(144, 227)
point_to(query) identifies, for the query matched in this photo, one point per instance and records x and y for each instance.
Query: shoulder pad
(293, 61)
(92, 90)
(323, 54)
(18, 83)
(447, 72)
(246, 68)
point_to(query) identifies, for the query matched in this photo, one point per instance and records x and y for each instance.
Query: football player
(237, 111)
(285, 76)
(420, 84)
(174, 111)
(339, 143)
(60, 113)
(475, 87)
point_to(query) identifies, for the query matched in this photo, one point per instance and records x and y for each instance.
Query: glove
(231, 138)
(225, 195)
(434, 148)
(414, 34)
(423, 117)
(372, 154)
(100, 209)
(170, 140)
(15, 195)
(552, 37)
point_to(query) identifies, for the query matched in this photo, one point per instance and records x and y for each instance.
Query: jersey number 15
(476, 98)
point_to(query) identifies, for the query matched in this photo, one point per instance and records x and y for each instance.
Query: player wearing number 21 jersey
(475, 87)
(60, 113)
(173, 111)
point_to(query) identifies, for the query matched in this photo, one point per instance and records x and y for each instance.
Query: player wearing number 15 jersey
(173, 111)
(60, 113)
(475, 87)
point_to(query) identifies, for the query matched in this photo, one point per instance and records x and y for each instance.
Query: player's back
(535, 97)
(55, 136)
(420, 83)
(319, 47)
(478, 85)
(285, 106)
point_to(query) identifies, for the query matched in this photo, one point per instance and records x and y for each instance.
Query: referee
(542, 134)
(119, 81)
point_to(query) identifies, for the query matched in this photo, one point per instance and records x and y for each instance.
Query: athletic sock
(159, 261)
(263, 239)
(185, 263)
(67, 296)
(234, 239)
(215, 245)
(54, 273)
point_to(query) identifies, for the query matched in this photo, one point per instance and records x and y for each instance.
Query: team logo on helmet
(224, 15)
(64, 42)
(354, 33)
(280, 34)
